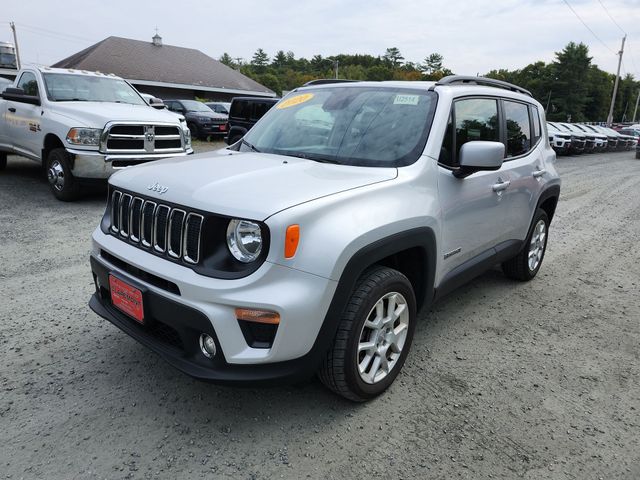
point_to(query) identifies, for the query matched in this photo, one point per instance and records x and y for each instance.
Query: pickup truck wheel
(3, 161)
(62, 182)
(373, 337)
(526, 264)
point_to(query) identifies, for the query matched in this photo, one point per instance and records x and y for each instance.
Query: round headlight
(244, 239)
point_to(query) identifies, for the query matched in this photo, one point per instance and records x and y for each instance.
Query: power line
(587, 26)
(51, 33)
(612, 19)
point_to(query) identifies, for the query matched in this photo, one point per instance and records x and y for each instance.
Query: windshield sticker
(296, 100)
(406, 100)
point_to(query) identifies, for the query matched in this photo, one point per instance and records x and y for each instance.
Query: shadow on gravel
(21, 172)
(149, 381)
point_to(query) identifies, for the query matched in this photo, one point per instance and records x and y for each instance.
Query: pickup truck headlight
(84, 136)
(244, 239)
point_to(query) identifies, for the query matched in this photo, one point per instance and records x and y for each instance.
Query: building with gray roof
(165, 71)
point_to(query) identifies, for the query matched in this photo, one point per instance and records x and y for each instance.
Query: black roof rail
(491, 82)
(324, 81)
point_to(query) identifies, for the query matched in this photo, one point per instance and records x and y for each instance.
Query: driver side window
(29, 84)
(472, 119)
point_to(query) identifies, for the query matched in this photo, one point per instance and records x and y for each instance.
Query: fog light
(207, 345)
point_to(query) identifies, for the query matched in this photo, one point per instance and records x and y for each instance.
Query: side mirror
(156, 103)
(479, 155)
(18, 95)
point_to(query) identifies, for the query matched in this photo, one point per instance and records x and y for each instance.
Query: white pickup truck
(82, 126)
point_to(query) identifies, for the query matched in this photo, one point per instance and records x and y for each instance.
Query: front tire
(64, 185)
(3, 161)
(374, 336)
(526, 264)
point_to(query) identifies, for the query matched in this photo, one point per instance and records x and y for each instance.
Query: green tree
(227, 60)
(571, 77)
(431, 64)
(393, 57)
(279, 60)
(260, 60)
(270, 81)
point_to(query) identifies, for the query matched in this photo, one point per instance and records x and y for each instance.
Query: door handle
(499, 187)
(12, 110)
(539, 173)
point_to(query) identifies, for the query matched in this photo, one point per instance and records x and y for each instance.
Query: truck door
(24, 120)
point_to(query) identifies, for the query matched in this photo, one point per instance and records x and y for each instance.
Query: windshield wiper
(250, 146)
(314, 158)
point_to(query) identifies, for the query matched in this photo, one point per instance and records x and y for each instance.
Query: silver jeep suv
(311, 245)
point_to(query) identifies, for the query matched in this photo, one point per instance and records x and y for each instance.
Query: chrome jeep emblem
(157, 188)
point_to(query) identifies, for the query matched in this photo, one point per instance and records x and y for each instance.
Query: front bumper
(96, 165)
(207, 305)
(213, 129)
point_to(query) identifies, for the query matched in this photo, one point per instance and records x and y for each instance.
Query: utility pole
(615, 85)
(546, 110)
(636, 109)
(335, 64)
(15, 41)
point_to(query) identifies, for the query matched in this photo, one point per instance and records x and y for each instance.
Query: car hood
(212, 114)
(97, 114)
(245, 185)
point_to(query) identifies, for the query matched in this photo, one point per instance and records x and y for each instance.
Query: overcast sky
(473, 36)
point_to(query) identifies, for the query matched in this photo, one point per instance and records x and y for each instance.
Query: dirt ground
(504, 380)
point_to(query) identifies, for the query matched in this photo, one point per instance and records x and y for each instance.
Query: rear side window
(241, 110)
(259, 110)
(537, 128)
(518, 128)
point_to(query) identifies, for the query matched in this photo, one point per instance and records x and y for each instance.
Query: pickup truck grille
(127, 138)
(165, 230)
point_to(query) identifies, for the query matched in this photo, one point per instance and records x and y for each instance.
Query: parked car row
(577, 138)
(229, 119)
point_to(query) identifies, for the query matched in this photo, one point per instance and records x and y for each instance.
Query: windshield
(63, 87)
(195, 106)
(351, 125)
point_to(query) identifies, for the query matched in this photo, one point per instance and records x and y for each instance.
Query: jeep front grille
(169, 231)
(133, 138)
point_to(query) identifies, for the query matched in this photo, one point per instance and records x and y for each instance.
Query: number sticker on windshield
(406, 100)
(296, 100)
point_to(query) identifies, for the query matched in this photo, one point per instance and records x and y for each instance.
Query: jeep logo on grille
(157, 188)
(149, 138)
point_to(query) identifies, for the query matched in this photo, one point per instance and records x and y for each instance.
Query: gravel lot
(505, 380)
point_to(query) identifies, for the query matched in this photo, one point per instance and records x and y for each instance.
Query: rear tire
(64, 185)
(373, 338)
(526, 264)
(3, 161)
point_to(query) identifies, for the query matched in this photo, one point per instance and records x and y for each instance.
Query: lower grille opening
(127, 163)
(165, 334)
(141, 274)
(258, 335)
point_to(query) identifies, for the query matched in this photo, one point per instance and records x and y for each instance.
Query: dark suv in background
(201, 120)
(244, 113)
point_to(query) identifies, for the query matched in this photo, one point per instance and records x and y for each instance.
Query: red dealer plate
(126, 298)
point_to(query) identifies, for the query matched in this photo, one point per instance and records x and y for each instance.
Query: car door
(24, 120)
(473, 208)
(525, 163)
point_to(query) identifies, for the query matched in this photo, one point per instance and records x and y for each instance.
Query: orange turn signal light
(291, 241)
(258, 316)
